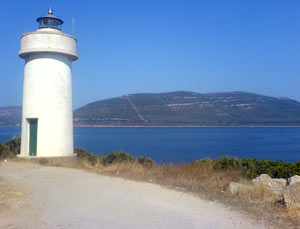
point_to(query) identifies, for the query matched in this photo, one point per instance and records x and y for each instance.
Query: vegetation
(246, 168)
(116, 157)
(82, 154)
(110, 159)
(190, 109)
(180, 108)
(252, 168)
(10, 148)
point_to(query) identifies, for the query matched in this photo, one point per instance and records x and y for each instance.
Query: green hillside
(190, 109)
(180, 109)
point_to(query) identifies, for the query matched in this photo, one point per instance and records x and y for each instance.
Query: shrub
(226, 163)
(144, 161)
(5, 152)
(252, 168)
(82, 154)
(10, 148)
(116, 157)
(14, 145)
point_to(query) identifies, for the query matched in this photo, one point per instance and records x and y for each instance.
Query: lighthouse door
(32, 136)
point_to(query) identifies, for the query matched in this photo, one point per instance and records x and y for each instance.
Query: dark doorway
(33, 124)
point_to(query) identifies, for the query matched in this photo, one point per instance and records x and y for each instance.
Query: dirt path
(33, 196)
(133, 106)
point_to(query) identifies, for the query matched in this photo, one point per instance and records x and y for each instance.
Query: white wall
(48, 40)
(47, 96)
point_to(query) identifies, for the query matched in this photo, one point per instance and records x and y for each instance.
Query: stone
(276, 186)
(264, 179)
(294, 179)
(281, 182)
(292, 196)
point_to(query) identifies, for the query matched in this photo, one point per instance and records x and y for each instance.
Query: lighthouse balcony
(48, 40)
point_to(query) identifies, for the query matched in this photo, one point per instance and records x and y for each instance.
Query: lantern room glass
(49, 23)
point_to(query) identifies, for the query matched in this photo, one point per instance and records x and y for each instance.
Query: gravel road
(33, 196)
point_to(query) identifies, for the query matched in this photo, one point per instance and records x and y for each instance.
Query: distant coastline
(180, 109)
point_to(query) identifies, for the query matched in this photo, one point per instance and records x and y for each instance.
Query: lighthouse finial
(50, 11)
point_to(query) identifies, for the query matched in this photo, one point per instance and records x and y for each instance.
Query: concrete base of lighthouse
(70, 160)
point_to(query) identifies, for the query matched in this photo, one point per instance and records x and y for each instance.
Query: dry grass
(256, 193)
(194, 177)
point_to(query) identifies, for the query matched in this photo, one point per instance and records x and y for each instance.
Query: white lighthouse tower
(47, 119)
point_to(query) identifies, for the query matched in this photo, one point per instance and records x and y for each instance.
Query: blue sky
(133, 46)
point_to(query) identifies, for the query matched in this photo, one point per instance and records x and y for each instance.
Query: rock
(276, 186)
(294, 179)
(262, 179)
(292, 195)
(280, 181)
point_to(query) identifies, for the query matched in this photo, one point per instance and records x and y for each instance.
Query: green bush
(14, 145)
(252, 168)
(226, 163)
(144, 161)
(5, 152)
(116, 157)
(82, 154)
(10, 148)
(276, 169)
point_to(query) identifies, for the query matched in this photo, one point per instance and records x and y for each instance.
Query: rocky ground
(33, 196)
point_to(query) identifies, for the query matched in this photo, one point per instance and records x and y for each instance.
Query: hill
(190, 109)
(180, 109)
(10, 116)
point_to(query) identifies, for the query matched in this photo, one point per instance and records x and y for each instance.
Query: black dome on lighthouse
(50, 21)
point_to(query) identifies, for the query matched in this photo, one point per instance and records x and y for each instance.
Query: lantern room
(50, 21)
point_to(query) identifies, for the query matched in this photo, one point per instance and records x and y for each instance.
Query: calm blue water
(187, 144)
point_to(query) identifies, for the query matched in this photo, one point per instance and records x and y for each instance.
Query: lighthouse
(47, 119)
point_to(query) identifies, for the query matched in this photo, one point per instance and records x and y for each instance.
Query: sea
(186, 144)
